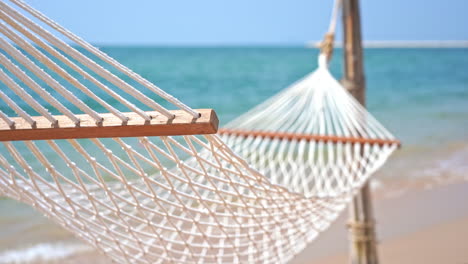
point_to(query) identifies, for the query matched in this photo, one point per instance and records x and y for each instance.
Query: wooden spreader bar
(182, 124)
(306, 137)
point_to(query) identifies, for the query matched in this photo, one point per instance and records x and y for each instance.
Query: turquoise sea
(421, 95)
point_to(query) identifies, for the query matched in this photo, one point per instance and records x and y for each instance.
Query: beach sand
(426, 226)
(442, 243)
(423, 226)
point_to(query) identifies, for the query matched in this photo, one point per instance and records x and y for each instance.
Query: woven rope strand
(106, 58)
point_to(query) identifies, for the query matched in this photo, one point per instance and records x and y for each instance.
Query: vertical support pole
(363, 247)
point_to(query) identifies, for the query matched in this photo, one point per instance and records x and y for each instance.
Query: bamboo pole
(363, 248)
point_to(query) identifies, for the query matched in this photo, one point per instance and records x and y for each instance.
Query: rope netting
(313, 137)
(177, 198)
(49, 56)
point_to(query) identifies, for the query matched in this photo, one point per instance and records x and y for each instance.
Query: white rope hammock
(182, 199)
(313, 137)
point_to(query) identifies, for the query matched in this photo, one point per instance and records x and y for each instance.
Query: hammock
(313, 137)
(161, 198)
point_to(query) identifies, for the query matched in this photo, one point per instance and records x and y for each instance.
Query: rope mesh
(187, 199)
(314, 105)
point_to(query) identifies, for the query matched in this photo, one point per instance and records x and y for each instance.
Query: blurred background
(232, 55)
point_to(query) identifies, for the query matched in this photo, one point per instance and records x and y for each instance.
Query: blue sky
(244, 22)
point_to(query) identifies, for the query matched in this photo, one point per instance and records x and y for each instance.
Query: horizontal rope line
(307, 137)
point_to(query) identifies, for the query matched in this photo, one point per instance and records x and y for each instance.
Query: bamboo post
(363, 248)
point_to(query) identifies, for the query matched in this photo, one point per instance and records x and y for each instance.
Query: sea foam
(42, 252)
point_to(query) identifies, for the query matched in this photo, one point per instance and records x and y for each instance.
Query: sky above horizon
(250, 22)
